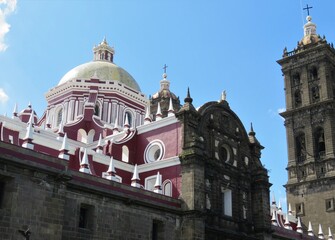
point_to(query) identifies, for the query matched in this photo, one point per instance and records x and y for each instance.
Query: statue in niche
(297, 98)
(315, 93)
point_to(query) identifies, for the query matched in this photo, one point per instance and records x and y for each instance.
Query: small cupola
(103, 52)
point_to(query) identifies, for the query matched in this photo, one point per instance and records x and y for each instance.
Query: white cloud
(280, 110)
(6, 8)
(3, 96)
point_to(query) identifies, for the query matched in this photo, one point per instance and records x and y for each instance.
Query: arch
(313, 73)
(167, 187)
(130, 115)
(319, 143)
(125, 154)
(59, 116)
(90, 136)
(296, 79)
(97, 110)
(300, 147)
(82, 135)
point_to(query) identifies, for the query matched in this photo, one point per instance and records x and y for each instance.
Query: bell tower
(309, 76)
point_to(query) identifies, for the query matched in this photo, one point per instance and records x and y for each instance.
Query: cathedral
(106, 162)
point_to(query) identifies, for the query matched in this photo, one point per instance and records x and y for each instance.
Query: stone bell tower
(309, 75)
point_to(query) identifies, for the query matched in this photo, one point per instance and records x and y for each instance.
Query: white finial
(29, 133)
(135, 174)
(15, 111)
(158, 183)
(330, 235)
(60, 128)
(159, 112)
(84, 164)
(100, 141)
(104, 41)
(170, 110)
(287, 223)
(63, 151)
(310, 229)
(29, 136)
(273, 219)
(100, 145)
(273, 199)
(279, 206)
(135, 180)
(111, 168)
(31, 118)
(126, 122)
(64, 143)
(84, 160)
(15, 108)
(299, 227)
(320, 233)
(289, 209)
(116, 124)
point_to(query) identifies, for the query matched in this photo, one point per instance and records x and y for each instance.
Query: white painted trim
(152, 146)
(147, 179)
(157, 124)
(164, 163)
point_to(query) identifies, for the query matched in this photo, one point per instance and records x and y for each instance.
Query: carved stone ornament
(299, 121)
(317, 116)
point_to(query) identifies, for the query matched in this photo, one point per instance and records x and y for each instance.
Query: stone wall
(40, 194)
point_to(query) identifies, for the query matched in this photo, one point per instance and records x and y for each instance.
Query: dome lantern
(103, 52)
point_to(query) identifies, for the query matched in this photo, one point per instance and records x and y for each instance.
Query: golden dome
(103, 70)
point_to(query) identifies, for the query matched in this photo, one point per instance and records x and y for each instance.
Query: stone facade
(39, 193)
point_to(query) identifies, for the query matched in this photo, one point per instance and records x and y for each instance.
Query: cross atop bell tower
(307, 9)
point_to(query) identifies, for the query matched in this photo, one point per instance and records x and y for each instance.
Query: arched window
(90, 136)
(227, 202)
(149, 183)
(82, 135)
(130, 118)
(297, 98)
(97, 110)
(125, 154)
(300, 147)
(319, 143)
(59, 117)
(313, 73)
(296, 79)
(167, 188)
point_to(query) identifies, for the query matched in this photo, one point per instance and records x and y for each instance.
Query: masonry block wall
(38, 193)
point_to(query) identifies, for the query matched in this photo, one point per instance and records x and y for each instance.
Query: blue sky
(209, 46)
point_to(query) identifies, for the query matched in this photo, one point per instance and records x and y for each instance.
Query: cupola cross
(165, 67)
(307, 8)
